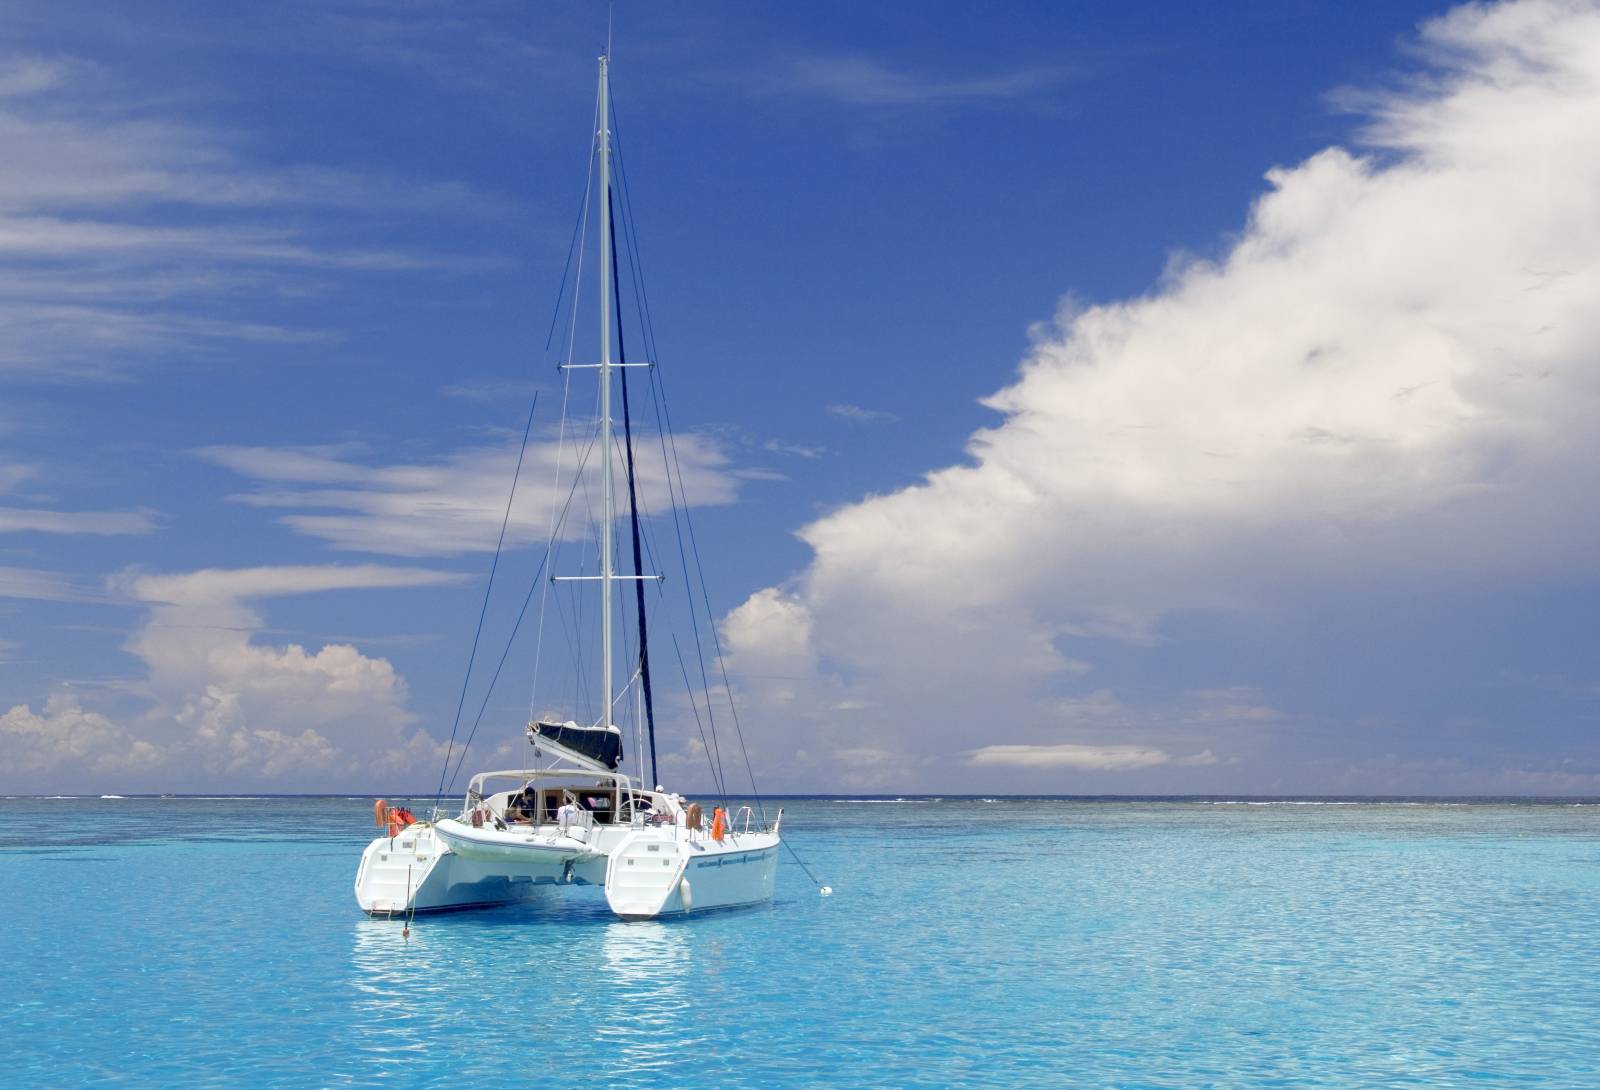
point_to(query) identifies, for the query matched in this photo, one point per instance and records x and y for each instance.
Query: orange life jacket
(399, 818)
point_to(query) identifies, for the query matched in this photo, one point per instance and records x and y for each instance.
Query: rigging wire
(681, 500)
(633, 513)
(629, 248)
(579, 222)
(716, 638)
(550, 544)
(576, 280)
(505, 520)
(688, 519)
(580, 230)
(510, 640)
(678, 498)
(716, 769)
(657, 383)
(489, 692)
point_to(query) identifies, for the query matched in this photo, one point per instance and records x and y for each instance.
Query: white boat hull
(417, 872)
(653, 874)
(647, 873)
(739, 876)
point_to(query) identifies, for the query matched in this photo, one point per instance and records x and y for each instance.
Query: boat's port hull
(413, 872)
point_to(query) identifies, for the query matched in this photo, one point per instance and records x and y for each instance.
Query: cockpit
(568, 798)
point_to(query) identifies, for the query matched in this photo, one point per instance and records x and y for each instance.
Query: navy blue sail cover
(603, 744)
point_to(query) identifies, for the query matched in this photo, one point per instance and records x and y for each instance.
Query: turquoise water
(152, 942)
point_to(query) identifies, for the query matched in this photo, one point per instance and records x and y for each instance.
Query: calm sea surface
(187, 942)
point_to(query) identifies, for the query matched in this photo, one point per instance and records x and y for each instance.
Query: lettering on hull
(734, 860)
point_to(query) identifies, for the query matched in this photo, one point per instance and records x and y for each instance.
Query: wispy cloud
(96, 341)
(106, 207)
(14, 474)
(52, 238)
(862, 80)
(214, 585)
(858, 415)
(388, 639)
(106, 523)
(454, 504)
(1116, 758)
(51, 586)
(451, 46)
(492, 390)
(797, 450)
(28, 75)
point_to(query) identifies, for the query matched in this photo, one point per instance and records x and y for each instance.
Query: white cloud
(496, 391)
(28, 75)
(39, 520)
(1393, 369)
(93, 267)
(18, 519)
(219, 586)
(49, 586)
(66, 736)
(225, 710)
(1088, 758)
(798, 450)
(871, 82)
(1234, 704)
(47, 237)
(14, 474)
(858, 415)
(773, 632)
(455, 504)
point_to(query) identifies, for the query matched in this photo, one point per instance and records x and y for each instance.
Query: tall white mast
(607, 501)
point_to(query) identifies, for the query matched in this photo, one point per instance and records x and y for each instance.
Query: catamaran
(573, 816)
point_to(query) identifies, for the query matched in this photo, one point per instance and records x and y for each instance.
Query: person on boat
(522, 806)
(568, 813)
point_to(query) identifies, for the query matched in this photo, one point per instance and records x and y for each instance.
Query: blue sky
(1261, 483)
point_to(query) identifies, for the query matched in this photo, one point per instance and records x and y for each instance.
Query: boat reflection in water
(519, 987)
(650, 1025)
(391, 1030)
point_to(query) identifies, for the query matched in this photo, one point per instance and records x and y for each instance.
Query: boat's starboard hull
(651, 875)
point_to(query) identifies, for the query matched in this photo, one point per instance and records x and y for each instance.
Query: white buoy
(826, 890)
(686, 895)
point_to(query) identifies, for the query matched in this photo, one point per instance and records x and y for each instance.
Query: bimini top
(600, 747)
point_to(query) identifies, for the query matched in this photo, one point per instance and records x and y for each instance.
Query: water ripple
(1043, 943)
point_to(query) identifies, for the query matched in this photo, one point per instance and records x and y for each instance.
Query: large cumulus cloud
(1392, 369)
